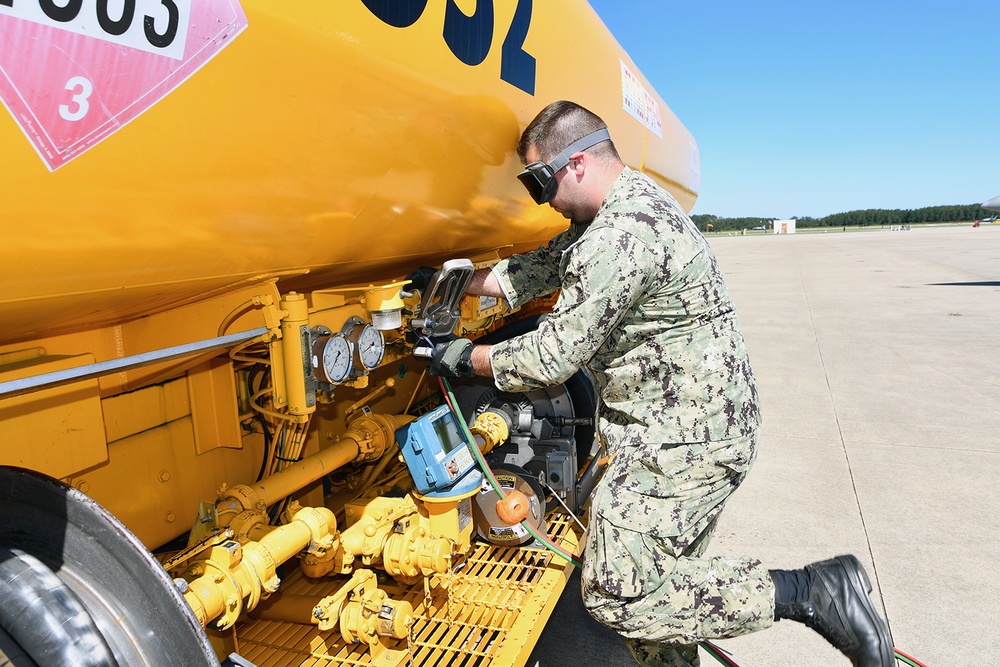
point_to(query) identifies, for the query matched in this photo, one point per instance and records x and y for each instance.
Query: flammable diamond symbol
(71, 75)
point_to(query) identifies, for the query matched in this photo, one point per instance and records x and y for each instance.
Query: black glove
(420, 279)
(452, 359)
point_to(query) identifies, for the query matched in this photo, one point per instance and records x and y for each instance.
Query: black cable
(260, 417)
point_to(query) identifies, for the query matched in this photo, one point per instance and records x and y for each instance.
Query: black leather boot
(837, 606)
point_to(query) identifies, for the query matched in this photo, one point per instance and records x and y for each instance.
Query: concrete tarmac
(877, 356)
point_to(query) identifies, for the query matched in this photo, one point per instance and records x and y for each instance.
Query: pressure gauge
(367, 341)
(333, 358)
(371, 346)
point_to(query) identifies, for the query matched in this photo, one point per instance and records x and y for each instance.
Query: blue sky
(811, 108)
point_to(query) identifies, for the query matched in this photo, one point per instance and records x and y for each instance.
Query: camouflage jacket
(642, 305)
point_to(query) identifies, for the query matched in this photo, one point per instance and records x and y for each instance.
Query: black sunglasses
(539, 179)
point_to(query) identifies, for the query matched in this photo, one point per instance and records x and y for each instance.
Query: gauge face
(337, 360)
(371, 346)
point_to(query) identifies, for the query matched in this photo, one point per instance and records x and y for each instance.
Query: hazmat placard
(74, 72)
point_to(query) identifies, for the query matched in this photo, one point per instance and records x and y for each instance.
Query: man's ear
(578, 163)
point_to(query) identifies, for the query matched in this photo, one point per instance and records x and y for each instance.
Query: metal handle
(438, 313)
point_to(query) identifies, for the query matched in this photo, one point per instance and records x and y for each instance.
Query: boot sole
(863, 587)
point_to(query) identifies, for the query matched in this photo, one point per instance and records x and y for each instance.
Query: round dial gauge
(335, 358)
(371, 346)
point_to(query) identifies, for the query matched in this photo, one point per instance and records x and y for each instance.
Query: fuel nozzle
(438, 313)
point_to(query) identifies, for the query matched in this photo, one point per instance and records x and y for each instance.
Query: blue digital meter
(436, 452)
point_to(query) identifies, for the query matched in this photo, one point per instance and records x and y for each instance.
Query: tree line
(866, 218)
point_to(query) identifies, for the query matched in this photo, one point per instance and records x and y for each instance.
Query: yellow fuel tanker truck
(216, 442)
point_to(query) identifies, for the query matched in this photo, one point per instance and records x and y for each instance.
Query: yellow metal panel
(145, 483)
(208, 394)
(58, 430)
(212, 388)
(154, 480)
(138, 411)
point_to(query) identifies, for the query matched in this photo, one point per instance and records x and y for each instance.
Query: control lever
(438, 312)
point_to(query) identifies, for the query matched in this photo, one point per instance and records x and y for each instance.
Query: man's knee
(608, 609)
(652, 615)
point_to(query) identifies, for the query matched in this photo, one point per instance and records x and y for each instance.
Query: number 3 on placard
(81, 89)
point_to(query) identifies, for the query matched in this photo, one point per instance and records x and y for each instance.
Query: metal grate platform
(490, 615)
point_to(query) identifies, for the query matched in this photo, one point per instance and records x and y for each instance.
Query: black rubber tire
(127, 594)
(45, 617)
(11, 653)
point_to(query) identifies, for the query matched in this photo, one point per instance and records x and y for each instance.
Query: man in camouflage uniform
(644, 307)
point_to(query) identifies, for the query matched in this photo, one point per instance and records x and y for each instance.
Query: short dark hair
(560, 124)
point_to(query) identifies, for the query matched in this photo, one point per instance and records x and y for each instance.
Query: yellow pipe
(299, 475)
(232, 578)
(368, 439)
(288, 608)
(286, 541)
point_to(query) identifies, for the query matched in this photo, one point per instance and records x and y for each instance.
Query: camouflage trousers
(651, 519)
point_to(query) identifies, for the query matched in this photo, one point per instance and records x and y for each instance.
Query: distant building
(784, 226)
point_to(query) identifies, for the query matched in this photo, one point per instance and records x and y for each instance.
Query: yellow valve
(411, 553)
(397, 532)
(444, 517)
(326, 613)
(491, 429)
(373, 524)
(363, 612)
(374, 615)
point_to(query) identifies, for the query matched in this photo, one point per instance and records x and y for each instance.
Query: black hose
(260, 417)
(45, 617)
(511, 329)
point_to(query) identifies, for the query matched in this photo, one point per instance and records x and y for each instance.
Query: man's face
(565, 201)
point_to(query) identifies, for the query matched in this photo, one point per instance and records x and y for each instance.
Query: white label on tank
(639, 102)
